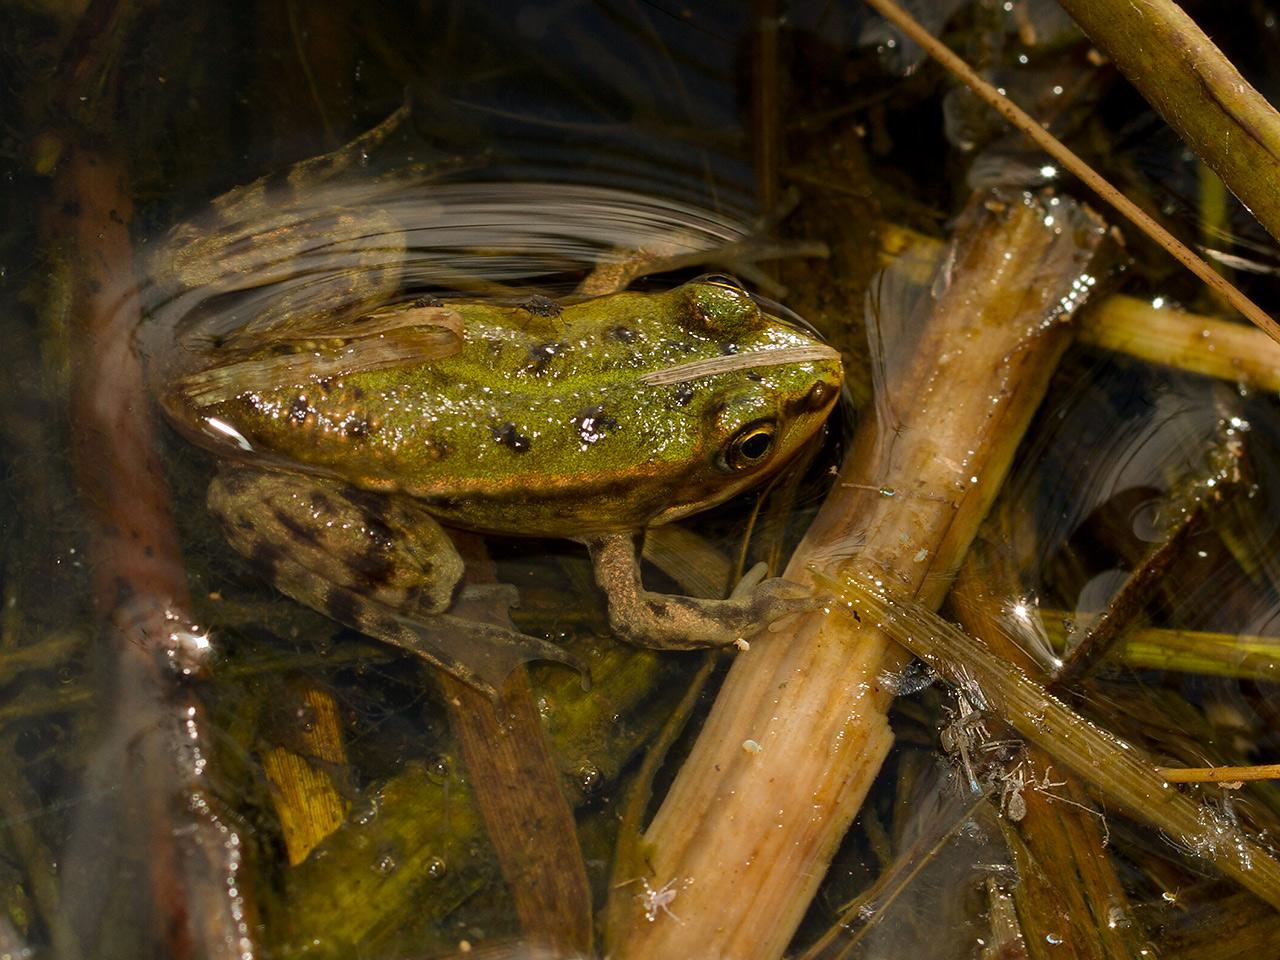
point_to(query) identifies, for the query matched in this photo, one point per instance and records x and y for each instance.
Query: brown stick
(1130, 600)
(517, 788)
(152, 743)
(1197, 90)
(798, 731)
(766, 74)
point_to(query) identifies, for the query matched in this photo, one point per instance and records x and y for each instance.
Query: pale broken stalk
(798, 732)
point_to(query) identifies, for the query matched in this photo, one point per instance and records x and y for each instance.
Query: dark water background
(664, 100)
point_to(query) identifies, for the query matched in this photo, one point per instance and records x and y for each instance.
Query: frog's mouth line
(694, 369)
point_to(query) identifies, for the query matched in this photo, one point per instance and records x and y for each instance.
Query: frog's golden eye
(750, 446)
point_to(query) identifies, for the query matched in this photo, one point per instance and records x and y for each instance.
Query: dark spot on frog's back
(594, 424)
(508, 436)
(541, 355)
(357, 428)
(428, 301)
(622, 334)
(684, 393)
(299, 408)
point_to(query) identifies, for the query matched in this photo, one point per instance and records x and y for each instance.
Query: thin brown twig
(1072, 162)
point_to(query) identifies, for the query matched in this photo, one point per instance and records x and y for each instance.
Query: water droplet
(439, 768)
(365, 813)
(589, 777)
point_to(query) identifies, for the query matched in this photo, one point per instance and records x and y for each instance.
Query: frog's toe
(750, 580)
(776, 598)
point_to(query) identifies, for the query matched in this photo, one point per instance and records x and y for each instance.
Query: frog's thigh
(354, 262)
(674, 622)
(313, 535)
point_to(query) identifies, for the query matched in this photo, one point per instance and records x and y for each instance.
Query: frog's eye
(750, 446)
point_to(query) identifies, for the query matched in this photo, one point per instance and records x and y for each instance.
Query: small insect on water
(657, 901)
(1012, 804)
(965, 731)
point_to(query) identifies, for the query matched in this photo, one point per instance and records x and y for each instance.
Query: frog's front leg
(377, 564)
(674, 622)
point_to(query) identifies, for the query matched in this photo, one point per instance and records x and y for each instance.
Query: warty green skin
(542, 425)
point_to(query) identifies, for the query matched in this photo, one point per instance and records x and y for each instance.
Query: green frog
(357, 440)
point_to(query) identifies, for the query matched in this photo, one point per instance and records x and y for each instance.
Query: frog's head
(763, 394)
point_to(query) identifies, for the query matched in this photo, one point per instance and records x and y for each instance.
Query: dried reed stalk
(1068, 883)
(798, 731)
(1147, 330)
(1112, 768)
(1033, 129)
(1197, 90)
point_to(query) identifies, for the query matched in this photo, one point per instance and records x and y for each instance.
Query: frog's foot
(377, 564)
(479, 654)
(673, 622)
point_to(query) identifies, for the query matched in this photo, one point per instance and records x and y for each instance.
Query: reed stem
(798, 731)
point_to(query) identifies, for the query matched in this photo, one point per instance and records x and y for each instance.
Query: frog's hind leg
(380, 565)
(674, 622)
(248, 201)
(319, 214)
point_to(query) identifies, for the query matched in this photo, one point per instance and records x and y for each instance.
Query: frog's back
(548, 422)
